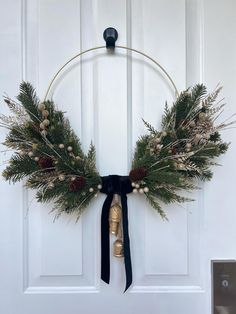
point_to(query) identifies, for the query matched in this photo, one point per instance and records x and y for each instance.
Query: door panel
(54, 267)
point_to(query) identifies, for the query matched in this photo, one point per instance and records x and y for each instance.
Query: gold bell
(118, 248)
(114, 218)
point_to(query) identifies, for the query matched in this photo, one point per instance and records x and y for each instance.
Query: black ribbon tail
(114, 184)
(127, 255)
(105, 240)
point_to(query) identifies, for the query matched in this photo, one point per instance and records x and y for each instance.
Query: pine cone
(46, 163)
(77, 184)
(174, 150)
(138, 174)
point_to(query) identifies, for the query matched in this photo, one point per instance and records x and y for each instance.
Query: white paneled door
(54, 268)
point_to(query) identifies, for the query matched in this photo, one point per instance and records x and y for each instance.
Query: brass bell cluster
(115, 220)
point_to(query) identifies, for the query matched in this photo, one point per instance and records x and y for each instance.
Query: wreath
(48, 154)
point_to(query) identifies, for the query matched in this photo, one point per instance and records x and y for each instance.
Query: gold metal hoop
(120, 47)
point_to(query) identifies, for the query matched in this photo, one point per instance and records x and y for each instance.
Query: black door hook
(110, 36)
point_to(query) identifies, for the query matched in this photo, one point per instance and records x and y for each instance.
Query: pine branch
(154, 203)
(20, 167)
(29, 100)
(150, 128)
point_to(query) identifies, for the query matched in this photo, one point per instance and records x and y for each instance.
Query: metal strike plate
(224, 287)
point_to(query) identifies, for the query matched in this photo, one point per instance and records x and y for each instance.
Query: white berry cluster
(139, 188)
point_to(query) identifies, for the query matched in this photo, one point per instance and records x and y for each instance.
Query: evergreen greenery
(39, 130)
(48, 154)
(183, 151)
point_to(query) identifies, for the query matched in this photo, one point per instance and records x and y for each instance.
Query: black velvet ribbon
(114, 184)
